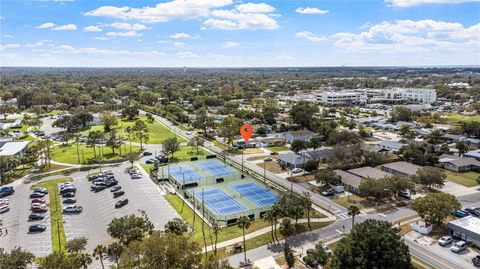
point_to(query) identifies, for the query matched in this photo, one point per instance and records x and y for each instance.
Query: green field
(456, 118)
(55, 207)
(468, 179)
(68, 153)
(157, 131)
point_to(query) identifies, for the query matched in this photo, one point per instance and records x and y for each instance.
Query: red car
(42, 209)
(38, 200)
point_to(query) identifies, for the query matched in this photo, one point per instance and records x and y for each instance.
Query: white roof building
(12, 148)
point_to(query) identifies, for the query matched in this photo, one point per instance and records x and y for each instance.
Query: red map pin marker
(246, 131)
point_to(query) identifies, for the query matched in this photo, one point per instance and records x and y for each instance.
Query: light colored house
(302, 135)
(458, 164)
(368, 172)
(350, 181)
(392, 146)
(321, 155)
(474, 154)
(401, 168)
(270, 141)
(292, 160)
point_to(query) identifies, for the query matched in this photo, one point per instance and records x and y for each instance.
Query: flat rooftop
(469, 223)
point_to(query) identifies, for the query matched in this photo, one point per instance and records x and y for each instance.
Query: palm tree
(98, 253)
(129, 131)
(276, 213)
(268, 216)
(244, 223)
(353, 211)
(84, 259)
(115, 249)
(307, 203)
(77, 142)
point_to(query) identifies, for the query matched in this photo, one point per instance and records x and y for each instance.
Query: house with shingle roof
(368, 172)
(401, 168)
(459, 164)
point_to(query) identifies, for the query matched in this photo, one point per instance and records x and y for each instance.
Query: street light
(265, 169)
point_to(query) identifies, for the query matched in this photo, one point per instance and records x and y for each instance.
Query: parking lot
(98, 211)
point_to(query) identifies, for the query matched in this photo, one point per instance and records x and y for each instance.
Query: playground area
(219, 190)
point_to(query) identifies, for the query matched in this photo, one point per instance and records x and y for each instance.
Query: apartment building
(363, 96)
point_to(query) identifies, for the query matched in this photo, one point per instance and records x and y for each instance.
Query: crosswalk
(343, 216)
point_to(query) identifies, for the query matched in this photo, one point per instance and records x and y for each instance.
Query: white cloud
(255, 8)
(179, 44)
(7, 36)
(284, 58)
(311, 36)
(101, 38)
(66, 27)
(186, 54)
(235, 20)
(162, 12)
(92, 28)
(184, 36)
(311, 10)
(411, 36)
(9, 46)
(123, 34)
(230, 44)
(46, 25)
(411, 3)
(40, 43)
(128, 26)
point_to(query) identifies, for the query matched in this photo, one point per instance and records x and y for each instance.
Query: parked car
(296, 170)
(96, 188)
(37, 195)
(116, 188)
(111, 183)
(4, 208)
(70, 201)
(4, 202)
(37, 228)
(150, 161)
(68, 189)
(136, 176)
(472, 211)
(326, 248)
(328, 192)
(460, 213)
(476, 261)
(90, 178)
(6, 190)
(68, 195)
(118, 194)
(405, 194)
(36, 216)
(459, 246)
(74, 209)
(36, 205)
(42, 209)
(147, 153)
(38, 200)
(445, 240)
(121, 203)
(268, 159)
(42, 190)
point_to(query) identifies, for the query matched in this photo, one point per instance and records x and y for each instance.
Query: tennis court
(219, 202)
(256, 194)
(184, 174)
(215, 168)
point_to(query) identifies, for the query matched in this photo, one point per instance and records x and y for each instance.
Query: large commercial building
(363, 96)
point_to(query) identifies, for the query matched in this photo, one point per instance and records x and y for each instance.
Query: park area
(68, 153)
(468, 179)
(453, 118)
(157, 132)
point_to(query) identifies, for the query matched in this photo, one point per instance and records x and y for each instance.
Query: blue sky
(234, 33)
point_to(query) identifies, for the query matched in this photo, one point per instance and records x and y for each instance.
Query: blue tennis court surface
(215, 168)
(184, 173)
(219, 202)
(256, 194)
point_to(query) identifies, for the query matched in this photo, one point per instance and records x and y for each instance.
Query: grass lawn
(187, 152)
(55, 207)
(51, 167)
(157, 131)
(224, 234)
(456, 118)
(68, 153)
(468, 179)
(302, 178)
(347, 201)
(272, 167)
(278, 148)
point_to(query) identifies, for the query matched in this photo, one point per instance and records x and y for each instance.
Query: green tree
(229, 128)
(353, 211)
(307, 204)
(244, 223)
(398, 183)
(196, 142)
(132, 157)
(298, 145)
(315, 142)
(150, 118)
(327, 177)
(99, 252)
(302, 113)
(171, 145)
(203, 121)
(130, 112)
(286, 228)
(406, 132)
(372, 244)
(114, 141)
(435, 207)
(435, 137)
(76, 244)
(288, 254)
(376, 189)
(130, 228)
(462, 147)
(114, 250)
(430, 177)
(93, 139)
(108, 120)
(177, 226)
(401, 113)
(311, 165)
(17, 258)
(140, 131)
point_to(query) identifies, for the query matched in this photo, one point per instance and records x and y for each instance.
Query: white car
(136, 176)
(445, 240)
(296, 170)
(4, 202)
(459, 246)
(4, 208)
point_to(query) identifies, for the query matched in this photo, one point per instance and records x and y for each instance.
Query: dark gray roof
(349, 179)
(368, 172)
(292, 158)
(465, 162)
(404, 167)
